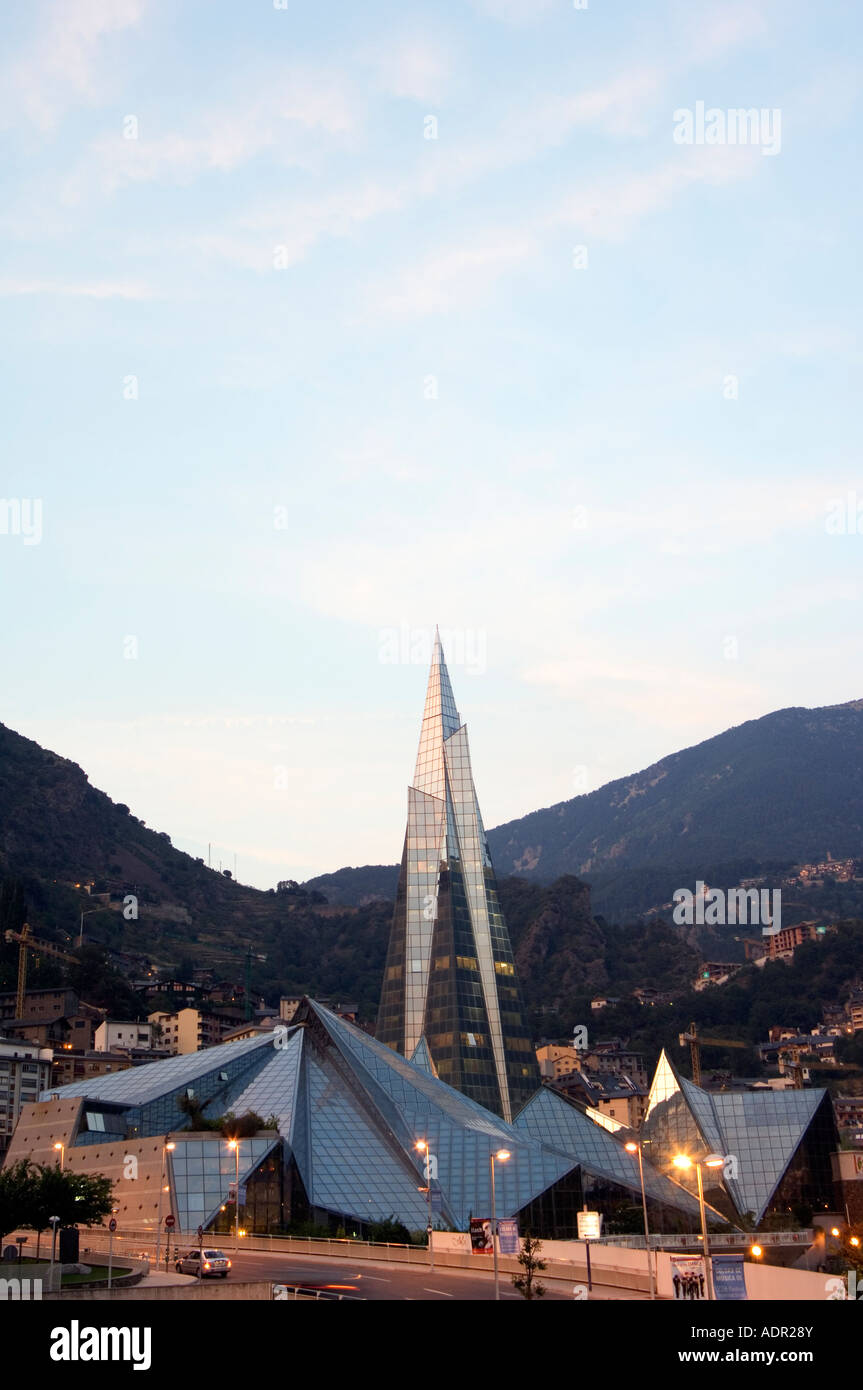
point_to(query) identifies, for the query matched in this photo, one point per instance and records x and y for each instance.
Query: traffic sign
(200, 1230)
(112, 1225)
(169, 1221)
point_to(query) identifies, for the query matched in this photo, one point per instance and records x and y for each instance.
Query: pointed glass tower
(450, 975)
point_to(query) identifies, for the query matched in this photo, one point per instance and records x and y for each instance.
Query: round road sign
(112, 1225)
(169, 1221)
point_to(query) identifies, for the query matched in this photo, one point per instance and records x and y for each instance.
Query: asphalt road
(381, 1281)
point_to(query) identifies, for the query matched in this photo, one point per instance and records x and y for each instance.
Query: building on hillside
(557, 1060)
(25, 1071)
(39, 1003)
(349, 1111)
(854, 1009)
(450, 982)
(187, 1030)
(288, 1005)
(68, 1067)
(775, 1145)
(612, 1056)
(119, 1034)
(715, 972)
(604, 1001)
(59, 1031)
(785, 942)
(615, 1096)
(849, 1119)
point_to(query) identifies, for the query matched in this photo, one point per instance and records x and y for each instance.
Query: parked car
(215, 1264)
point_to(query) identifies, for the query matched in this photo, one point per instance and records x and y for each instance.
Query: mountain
(782, 789)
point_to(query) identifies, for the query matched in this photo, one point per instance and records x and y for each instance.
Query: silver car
(215, 1264)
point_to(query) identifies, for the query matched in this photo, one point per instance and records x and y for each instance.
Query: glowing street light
(714, 1161)
(166, 1147)
(61, 1149)
(422, 1146)
(756, 1252)
(502, 1156)
(633, 1148)
(235, 1145)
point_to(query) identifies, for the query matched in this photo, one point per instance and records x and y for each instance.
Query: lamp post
(165, 1147)
(62, 1151)
(502, 1155)
(423, 1147)
(89, 913)
(632, 1147)
(55, 1221)
(235, 1145)
(683, 1161)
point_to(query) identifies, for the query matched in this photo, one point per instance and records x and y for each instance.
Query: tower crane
(696, 1041)
(28, 942)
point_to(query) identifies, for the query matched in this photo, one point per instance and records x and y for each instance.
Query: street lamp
(235, 1145)
(89, 913)
(502, 1155)
(423, 1147)
(62, 1151)
(165, 1148)
(683, 1161)
(756, 1252)
(55, 1221)
(633, 1148)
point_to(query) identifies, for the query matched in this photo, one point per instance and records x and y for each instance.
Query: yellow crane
(28, 942)
(696, 1041)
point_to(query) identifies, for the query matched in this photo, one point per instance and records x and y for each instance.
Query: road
(376, 1281)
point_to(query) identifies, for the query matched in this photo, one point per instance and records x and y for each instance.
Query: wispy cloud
(65, 64)
(99, 289)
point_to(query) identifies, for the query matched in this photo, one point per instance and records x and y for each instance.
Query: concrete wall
(223, 1290)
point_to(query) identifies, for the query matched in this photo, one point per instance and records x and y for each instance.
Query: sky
(324, 323)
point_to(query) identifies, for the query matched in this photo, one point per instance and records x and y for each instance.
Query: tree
(241, 1126)
(78, 1199)
(16, 1185)
(527, 1283)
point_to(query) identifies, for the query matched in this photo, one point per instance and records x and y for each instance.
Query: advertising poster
(480, 1236)
(729, 1279)
(687, 1276)
(507, 1235)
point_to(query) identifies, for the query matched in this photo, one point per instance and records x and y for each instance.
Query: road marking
(443, 1293)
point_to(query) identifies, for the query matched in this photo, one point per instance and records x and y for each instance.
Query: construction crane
(26, 943)
(696, 1041)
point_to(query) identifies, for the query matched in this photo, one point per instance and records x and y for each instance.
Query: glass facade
(780, 1143)
(348, 1112)
(450, 980)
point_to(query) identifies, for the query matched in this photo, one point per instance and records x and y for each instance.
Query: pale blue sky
(373, 389)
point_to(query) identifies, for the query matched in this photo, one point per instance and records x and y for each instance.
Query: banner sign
(687, 1276)
(480, 1236)
(507, 1235)
(729, 1280)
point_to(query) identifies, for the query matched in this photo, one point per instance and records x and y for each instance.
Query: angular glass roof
(138, 1085)
(558, 1122)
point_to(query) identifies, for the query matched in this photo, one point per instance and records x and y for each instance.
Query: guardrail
(288, 1292)
(717, 1240)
